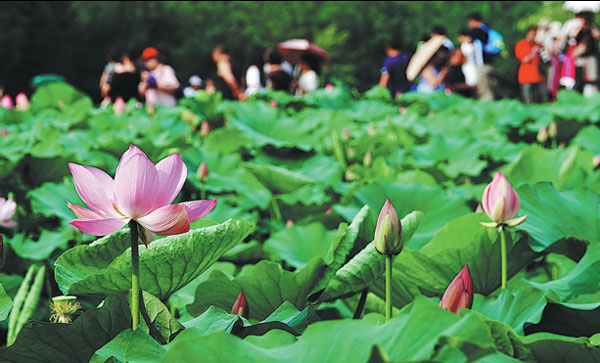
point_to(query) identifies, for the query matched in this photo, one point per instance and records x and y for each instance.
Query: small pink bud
(501, 202)
(4, 133)
(542, 135)
(7, 102)
(459, 293)
(388, 232)
(203, 172)
(289, 223)
(328, 211)
(468, 181)
(345, 135)
(329, 87)
(553, 130)
(119, 106)
(240, 306)
(368, 159)
(204, 129)
(597, 161)
(402, 109)
(22, 102)
(273, 103)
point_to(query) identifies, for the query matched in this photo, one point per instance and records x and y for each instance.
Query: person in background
(158, 81)
(492, 44)
(473, 56)
(277, 78)
(226, 79)
(532, 82)
(194, 84)
(441, 30)
(586, 53)
(433, 74)
(125, 79)
(106, 78)
(393, 71)
(254, 81)
(310, 67)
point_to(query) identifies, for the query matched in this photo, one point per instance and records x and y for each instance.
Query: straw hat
(423, 55)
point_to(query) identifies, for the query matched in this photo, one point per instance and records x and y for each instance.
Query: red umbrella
(293, 48)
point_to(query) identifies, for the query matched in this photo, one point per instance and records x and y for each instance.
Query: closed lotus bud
(459, 293)
(368, 159)
(202, 172)
(289, 223)
(345, 135)
(501, 202)
(350, 153)
(597, 161)
(328, 211)
(22, 101)
(542, 135)
(553, 130)
(273, 103)
(388, 232)
(329, 87)
(119, 106)
(204, 129)
(240, 306)
(7, 102)
(4, 133)
(402, 109)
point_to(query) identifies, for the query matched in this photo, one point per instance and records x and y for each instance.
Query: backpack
(495, 43)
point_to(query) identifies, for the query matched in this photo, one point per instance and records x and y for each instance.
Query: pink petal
(485, 201)
(95, 188)
(99, 227)
(9, 224)
(199, 208)
(136, 186)
(172, 173)
(82, 212)
(133, 150)
(7, 208)
(167, 220)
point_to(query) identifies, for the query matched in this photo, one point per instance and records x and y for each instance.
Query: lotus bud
(350, 153)
(240, 306)
(8, 207)
(501, 203)
(202, 172)
(62, 308)
(4, 132)
(368, 159)
(273, 103)
(328, 211)
(22, 101)
(119, 106)
(329, 87)
(542, 135)
(289, 223)
(204, 129)
(459, 293)
(553, 130)
(7, 102)
(402, 110)
(597, 161)
(388, 232)
(345, 135)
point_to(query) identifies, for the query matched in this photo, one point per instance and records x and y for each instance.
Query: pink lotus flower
(8, 207)
(7, 102)
(202, 172)
(459, 293)
(22, 101)
(501, 203)
(119, 106)
(141, 191)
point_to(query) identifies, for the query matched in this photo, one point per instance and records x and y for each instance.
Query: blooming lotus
(388, 232)
(501, 203)
(459, 293)
(8, 207)
(22, 101)
(141, 191)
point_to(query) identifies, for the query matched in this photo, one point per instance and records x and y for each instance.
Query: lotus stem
(388, 287)
(502, 231)
(135, 276)
(361, 303)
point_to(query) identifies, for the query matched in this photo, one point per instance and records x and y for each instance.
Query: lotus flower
(388, 232)
(202, 172)
(22, 101)
(204, 129)
(459, 293)
(240, 306)
(119, 106)
(140, 191)
(501, 203)
(8, 207)
(7, 102)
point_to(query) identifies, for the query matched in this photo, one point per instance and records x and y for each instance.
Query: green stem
(388, 287)
(275, 207)
(361, 303)
(135, 276)
(202, 192)
(502, 231)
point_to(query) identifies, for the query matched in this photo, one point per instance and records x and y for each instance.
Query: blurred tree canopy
(73, 38)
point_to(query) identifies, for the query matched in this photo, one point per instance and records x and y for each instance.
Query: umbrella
(582, 6)
(293, 48)
(423, 55)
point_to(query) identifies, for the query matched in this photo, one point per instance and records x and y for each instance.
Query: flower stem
(388, 287)
(361, 303)
(502, 231)
(135, 275)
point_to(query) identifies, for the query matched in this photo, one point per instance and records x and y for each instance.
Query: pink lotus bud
(202, 172)
(368, 159)
(289, 223)
(468, 181)
(8, 207)
(204, 129)
(597, 161)
(329, 87)
(542, 135)
(4, 133)
(459, 293)
(61, 103)
(345, 135)
(402, 109)
(7, 102)
(328, 211)
(501, 202)
(119, 106)
(240, 306)
(553, 130)
(388, 232)
(22, 101)
(273, 103)
(350, 153)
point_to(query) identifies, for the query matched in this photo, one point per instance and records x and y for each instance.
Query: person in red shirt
(531, 80)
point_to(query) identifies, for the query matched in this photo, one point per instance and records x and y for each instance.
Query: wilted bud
(459, 293)
(345, 135)
(368, 159)
(204, 129)
(542, 135)
(240, 306)
(501, 203)
(119, 106)
(289, 223)
(388, 232)
(22, 101)
(62, 308)
(202, 172)
(7, 102)
(553, 130)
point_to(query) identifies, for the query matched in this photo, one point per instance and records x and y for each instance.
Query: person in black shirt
(277, 78)
(393, 71)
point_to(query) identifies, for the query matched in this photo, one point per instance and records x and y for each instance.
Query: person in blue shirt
(393, 72)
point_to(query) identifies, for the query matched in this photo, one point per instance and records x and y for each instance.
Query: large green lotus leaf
(6, 302)
(226, 140)
(438, 207)
(297, 245)
(130, 346)
(370, 110)
(307, 195)
(404, 338)
(49, 200)
(566, 169)
(47, 243)
(59, 96)
(557, 348)
(266, 286)
(515, 309)
(588, 138)
(166, 265)
(317, 167)
(278, 179)
(555, 214)
(36, 171)
(77, 342)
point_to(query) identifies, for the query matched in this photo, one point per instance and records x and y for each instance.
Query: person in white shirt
(158, 82)
(310, 66)
(473, 54)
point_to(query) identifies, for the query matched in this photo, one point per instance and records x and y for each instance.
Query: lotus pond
(486, 250)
